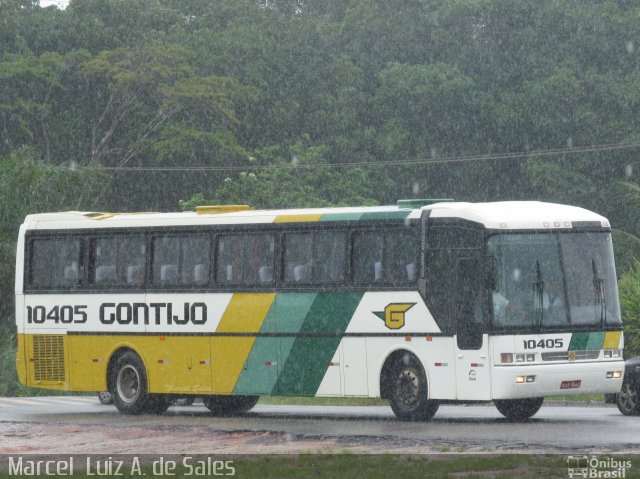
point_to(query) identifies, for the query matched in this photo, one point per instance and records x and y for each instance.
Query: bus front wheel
(228, 405)
(518, 409)
(128, 385)
(408, 391)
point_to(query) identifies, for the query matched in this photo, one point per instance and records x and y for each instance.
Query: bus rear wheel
(128, 385)
(229, 405)
(408, 394)
(518, 409)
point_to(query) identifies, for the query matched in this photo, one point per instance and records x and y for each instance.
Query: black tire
(408, 391)
(518, 409)
(128, 384)
(628, 399)
(229, 405)
(105, 397)
(157, 404)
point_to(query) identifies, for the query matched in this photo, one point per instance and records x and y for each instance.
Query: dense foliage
(299, 103)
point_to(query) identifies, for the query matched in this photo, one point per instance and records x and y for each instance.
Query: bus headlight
(525, 379)
(614, 374)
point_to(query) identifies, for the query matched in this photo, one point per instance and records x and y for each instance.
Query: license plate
(571, 384)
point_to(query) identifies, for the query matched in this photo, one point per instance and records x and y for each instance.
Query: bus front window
(592, 290)
(553, 280)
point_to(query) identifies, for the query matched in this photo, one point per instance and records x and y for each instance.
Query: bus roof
(499, 215)
(520, 214)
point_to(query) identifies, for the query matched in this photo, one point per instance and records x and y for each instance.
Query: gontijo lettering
(122, 313)
(158, 313)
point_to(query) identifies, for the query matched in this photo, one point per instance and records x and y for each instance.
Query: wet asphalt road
(29, 424)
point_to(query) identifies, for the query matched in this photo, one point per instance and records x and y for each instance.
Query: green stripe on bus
(578, 341)
(286, 315)
(586, 341)
(386, 215)
(309, 357)
(341, 217)
(596, 340)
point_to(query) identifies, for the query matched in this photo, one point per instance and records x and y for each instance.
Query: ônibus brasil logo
(596, 467)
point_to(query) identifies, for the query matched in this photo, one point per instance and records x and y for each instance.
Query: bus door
(473, 378)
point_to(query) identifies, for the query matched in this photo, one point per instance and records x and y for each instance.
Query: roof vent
(419, 203)
(219, 209)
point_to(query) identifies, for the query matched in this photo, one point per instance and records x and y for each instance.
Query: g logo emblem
(393, 314)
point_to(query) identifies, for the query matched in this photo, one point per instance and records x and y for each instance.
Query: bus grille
(48, 358)
(564, 356)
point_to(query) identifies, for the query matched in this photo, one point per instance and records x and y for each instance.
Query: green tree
(29, 185)
(629, 286)
(306, 180)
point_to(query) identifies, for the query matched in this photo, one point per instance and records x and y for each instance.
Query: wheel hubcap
(407, 387)
(128, 384)
(627, 398)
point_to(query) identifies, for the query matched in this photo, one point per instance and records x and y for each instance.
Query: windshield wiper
(538, 292)
(600, 292)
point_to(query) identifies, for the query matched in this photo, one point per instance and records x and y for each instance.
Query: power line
(387, 164)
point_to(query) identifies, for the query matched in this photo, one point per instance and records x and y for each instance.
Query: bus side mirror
(490, 268)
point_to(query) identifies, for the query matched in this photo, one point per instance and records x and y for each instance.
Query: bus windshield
(554, 280)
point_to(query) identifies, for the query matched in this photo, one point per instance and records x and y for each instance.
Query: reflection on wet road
(69, 424)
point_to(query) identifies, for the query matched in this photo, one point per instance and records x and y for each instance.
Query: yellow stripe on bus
(612, 340)
(244, 314)
(302, 218)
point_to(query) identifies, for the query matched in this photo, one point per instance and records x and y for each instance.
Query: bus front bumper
(512, 382)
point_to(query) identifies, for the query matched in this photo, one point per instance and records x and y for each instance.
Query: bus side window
(102, 260)
(297, 255)
(386, 256)
(55, 262)
(105, 274)
(401, 253)
(259, 254)
(195, 256)
(229, 259)
(200, 273)
(328, 257)
(131, 260)
(367, 257)
(314, 257)
(166, 258)
(135, 275)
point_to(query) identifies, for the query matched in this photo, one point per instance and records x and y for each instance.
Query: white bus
(421, 303)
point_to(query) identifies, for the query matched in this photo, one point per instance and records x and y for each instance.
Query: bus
(422, 303)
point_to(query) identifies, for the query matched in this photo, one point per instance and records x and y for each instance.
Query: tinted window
(166, 260)
(55, 262)
(195, 251)
(388, 257)
(314, 257)
(368, 251)
(181, 260)
(454, 237)
(401, 257)
(245, 259)
(117, 261)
